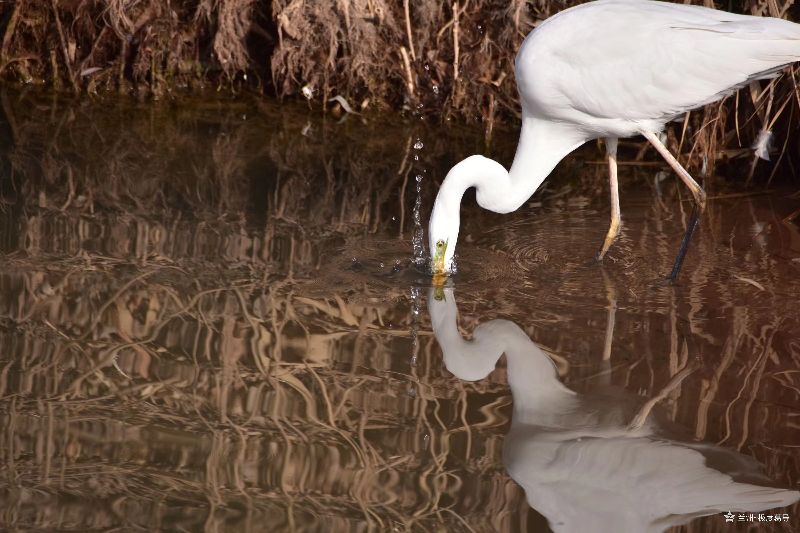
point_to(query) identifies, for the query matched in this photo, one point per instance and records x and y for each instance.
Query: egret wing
(646, 61)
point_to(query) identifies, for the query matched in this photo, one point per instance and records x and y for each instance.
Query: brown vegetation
(449, 59)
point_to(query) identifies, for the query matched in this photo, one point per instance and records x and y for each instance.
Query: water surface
(210, 321)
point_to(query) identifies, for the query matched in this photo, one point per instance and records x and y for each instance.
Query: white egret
(581, 462)
(612, 69)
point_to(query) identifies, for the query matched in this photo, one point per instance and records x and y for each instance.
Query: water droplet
(419, 234)
(416, 301)
(418, 145)
(416, 157)
(435, 89)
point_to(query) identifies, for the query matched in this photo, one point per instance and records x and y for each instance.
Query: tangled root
(449, 59)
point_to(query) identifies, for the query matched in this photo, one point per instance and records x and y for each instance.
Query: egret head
(442, 237)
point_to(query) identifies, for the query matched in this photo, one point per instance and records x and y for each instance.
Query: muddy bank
(443, 59)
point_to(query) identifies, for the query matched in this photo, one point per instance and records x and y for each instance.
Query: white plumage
(581, 462)
(612, 69)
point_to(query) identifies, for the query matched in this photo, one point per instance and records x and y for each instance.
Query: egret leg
(616, 220)
(644, 411)
(697, 192)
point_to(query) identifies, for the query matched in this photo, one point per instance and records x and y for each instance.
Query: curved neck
(542, 144)
(532, 375)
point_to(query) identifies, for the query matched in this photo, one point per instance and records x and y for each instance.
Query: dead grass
(446, 59)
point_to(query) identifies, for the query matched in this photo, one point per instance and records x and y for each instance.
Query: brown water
(210, 321)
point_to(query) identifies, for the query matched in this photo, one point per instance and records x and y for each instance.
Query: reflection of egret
(580, 465)
(613, 69)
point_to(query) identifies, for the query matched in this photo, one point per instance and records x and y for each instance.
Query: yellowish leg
(616, 219)
(611, 295)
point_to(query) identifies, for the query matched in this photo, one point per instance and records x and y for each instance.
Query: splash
(418, 240)
(419, 233)
(416, 301)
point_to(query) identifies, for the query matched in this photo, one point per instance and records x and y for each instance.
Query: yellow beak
(438, 265)
(438, 258)
(439, 271)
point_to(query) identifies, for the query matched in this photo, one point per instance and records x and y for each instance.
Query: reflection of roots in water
(207, 162)
(242, 386)
(231, 358)
(238, 330)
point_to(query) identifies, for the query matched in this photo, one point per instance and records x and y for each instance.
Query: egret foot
(611, 236)
(613, 188)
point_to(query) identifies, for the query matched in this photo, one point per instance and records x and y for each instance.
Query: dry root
(449, 59)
